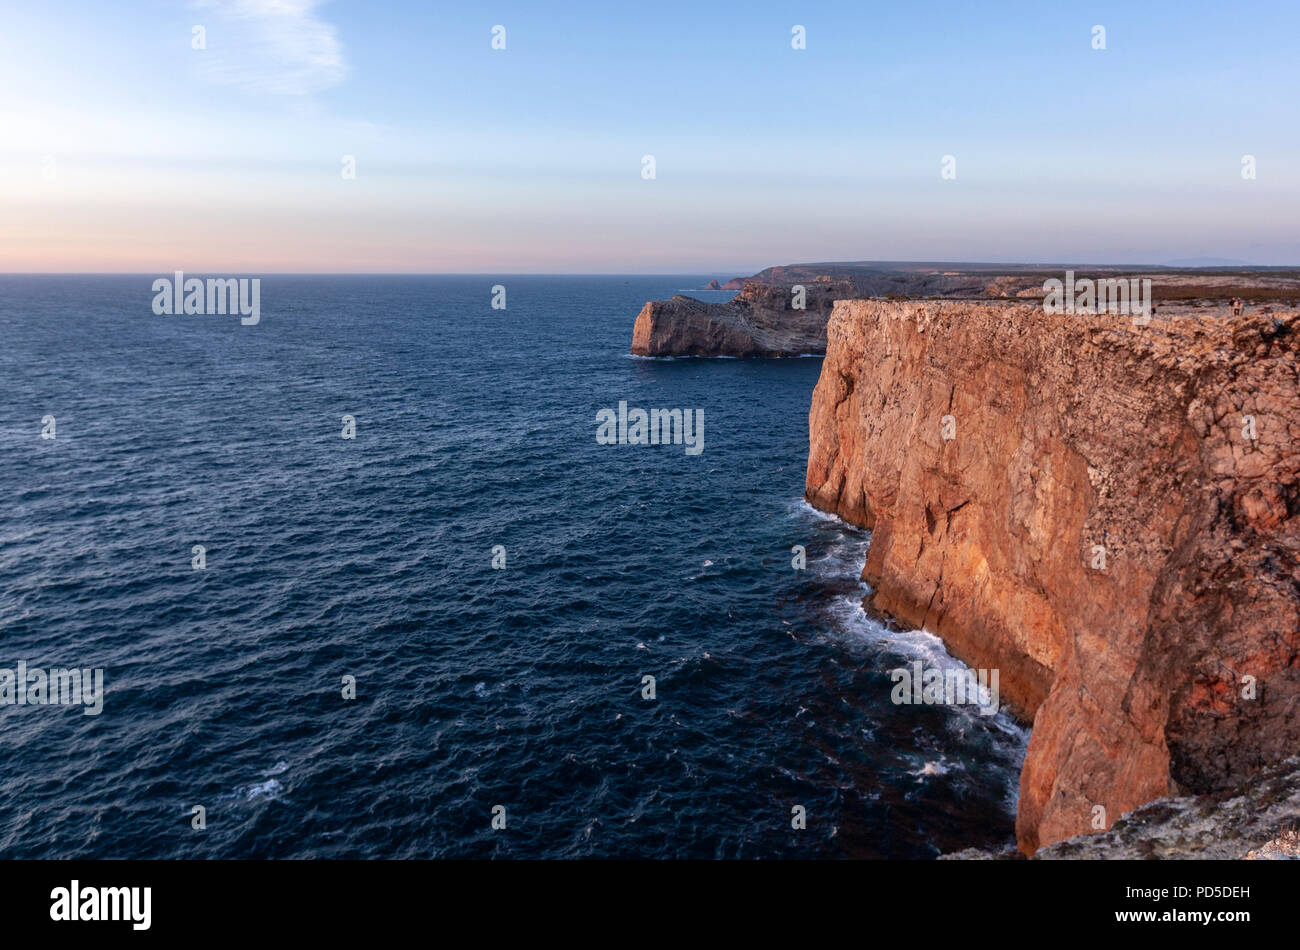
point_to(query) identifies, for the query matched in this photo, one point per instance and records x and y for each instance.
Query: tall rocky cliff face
(761, 320)
(1108, 514)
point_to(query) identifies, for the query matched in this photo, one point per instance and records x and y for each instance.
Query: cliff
(1113, 523)
(761, 320)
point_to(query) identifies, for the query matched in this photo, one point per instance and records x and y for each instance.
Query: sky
(124, 148)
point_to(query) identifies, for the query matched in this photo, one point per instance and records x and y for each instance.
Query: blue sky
(122, 148)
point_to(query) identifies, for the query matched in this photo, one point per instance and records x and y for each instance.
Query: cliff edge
(1108, 514)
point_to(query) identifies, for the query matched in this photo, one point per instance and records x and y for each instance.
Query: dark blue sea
(372, 558)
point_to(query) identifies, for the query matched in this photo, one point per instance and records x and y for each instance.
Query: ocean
(483, 694)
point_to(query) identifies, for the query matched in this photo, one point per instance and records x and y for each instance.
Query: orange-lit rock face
(1080, 503)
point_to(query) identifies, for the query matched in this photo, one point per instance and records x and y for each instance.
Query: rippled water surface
(372, 558)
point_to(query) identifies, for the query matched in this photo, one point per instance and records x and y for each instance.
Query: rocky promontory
(761, 320)
(1107, 513)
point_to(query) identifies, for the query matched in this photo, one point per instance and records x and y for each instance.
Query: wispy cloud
(271, 46)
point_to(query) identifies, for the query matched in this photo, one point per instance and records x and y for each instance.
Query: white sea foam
(803, 506)
(260, 791)
(851, 623)
(269, 789)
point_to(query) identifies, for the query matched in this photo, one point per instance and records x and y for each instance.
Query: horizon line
(682, 273)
